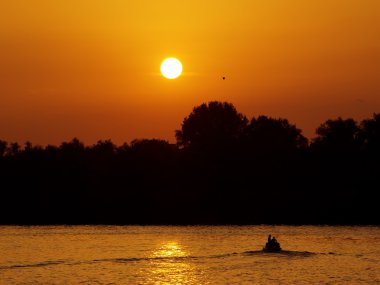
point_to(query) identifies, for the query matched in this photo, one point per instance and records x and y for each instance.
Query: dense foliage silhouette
(212, 130)
(224, 169)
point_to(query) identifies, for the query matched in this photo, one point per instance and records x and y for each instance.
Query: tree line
(224, 169)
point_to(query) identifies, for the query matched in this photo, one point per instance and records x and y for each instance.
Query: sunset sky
(91, 68)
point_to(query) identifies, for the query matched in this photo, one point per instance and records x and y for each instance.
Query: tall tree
(212, 127)
(337, 136)
(369, 134)
(275, 136)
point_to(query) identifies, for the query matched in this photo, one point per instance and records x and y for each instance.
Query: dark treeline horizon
(224, 169)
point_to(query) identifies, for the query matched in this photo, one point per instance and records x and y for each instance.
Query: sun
(171, 68)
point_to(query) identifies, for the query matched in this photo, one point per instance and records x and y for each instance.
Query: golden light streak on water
(170, 266)
(197, 255)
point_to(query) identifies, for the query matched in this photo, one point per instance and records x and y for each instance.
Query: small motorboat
(272, 245)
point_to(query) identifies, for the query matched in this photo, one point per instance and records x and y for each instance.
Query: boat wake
(282, 253)
(288, 253)
(38, 264)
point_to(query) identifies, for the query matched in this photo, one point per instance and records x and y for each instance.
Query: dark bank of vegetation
(224, 169)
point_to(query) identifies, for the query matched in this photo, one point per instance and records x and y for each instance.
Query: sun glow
(171, 68)
(170, 265)
(170, 249)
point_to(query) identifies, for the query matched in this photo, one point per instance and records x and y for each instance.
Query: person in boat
(272, 244)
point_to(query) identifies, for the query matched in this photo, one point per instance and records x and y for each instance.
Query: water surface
(188, 255)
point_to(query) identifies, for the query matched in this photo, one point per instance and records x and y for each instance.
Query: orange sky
(90, 68)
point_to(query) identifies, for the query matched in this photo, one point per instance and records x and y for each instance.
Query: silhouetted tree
(14, 149)
(151, 149)
(337, 136)
(3, 147)
(28, 146)
(275, 136)
(104, 148)
(369, 134)
(73, 146)
(214, 128)
(335, 169)
(222, 170)
(124, 148)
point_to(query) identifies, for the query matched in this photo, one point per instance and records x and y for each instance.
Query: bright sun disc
(171, 68)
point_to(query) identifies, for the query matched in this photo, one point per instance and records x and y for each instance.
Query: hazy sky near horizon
(90, 68)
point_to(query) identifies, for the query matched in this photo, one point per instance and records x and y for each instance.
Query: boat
(272, 245)
(272, 248)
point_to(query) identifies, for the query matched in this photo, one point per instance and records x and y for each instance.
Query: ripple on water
(188, 255)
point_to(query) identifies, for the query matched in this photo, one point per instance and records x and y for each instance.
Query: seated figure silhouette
(272, 245)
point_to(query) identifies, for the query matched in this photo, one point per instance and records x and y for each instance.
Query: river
(188, 255)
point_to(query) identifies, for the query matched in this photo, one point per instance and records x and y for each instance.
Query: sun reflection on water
(170, 265)
(170, 249)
